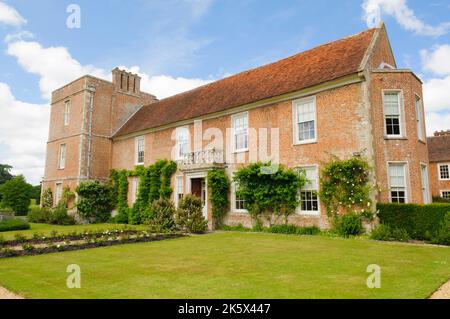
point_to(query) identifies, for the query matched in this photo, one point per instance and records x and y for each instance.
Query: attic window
(385, 65)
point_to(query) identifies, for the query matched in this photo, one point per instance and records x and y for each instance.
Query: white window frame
(180, 131)
(67, 105)
(58, 192)
(406, 179)
(62, 156)
(178, 187)
(234, 209)
(400, 116)
(444, 191)
(439, 171)
(295, 109)
(136, 149)
(299, 208)
(419, 118)
(234, 117)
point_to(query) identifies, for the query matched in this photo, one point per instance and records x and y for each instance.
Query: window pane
(393, 125)
(446, 194)
(391, 104)
(306, 117)
(445, 171)
(240, 131)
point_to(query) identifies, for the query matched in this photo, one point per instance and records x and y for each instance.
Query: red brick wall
(437, 185)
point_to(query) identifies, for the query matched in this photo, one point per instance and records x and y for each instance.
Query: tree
(37, 193)
(189, 216)
(5, 174)
(16, 194)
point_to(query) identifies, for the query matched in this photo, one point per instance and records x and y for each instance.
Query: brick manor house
(342, 98)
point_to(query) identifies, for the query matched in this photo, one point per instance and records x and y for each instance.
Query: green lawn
(234, 265)
(46, 229)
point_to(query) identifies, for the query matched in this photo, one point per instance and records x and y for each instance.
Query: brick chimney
(126, 82)
(442, 133)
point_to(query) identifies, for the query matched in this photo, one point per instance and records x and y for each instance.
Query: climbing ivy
(154, 183)
(272, 194)
(345, 186)
(219, 188)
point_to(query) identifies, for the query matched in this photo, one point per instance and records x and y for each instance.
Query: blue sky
(179, 44)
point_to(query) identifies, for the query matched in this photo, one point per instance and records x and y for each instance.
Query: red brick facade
(348, 119)
(439, 151)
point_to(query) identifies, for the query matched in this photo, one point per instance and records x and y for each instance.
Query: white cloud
(54, 65)
(405, 16)
(10, 16)
(438, 60)
(18, 36)
(164, 85)
(437, 122)
(437, 94)
(23, 130)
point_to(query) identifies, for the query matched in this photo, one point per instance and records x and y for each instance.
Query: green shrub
(348, 225)
(442, 236)
(189, 215)
(94, 201)
(439, 199)
(13, 224)
(16, 194)
(122, 215)
(292, 230)
(163, 212)
(387, 233)
(47, 198)
(420, 221)
(59, 216)
(238, 227)
(39, 215)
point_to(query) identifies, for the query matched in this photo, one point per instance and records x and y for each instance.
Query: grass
(47, 229)
(234, 265)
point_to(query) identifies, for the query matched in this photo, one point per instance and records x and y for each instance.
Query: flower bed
(45, 245)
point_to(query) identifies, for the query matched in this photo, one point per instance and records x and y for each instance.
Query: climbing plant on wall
(271, 194)
(345, 186)
(219, 189)
(153, 183)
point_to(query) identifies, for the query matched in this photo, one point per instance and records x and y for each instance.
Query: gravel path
(6, 294)
(443, 292)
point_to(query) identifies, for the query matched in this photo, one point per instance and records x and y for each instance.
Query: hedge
(420, 221)
(13, 224)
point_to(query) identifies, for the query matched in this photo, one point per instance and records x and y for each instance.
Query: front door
(198, 188)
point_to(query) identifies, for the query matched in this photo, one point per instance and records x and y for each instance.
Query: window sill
(239, 211)
(309, 214)
(401, 138)
(305, 142)
(240, 151)
(423, 142)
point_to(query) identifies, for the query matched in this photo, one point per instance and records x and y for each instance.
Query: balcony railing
(206, 157)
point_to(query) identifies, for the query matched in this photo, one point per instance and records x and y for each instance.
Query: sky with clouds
(177, 45)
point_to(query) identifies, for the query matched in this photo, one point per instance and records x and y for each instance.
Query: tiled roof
(321, 64)
(439, 148)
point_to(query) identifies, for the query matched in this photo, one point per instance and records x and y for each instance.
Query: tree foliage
(16, 194)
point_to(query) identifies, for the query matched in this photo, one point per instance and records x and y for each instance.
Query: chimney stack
(442, 133)
(126, 82)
